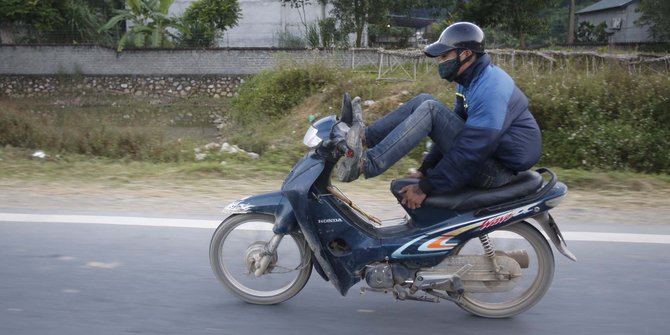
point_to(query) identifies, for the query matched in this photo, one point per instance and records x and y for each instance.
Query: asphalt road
(82, 278)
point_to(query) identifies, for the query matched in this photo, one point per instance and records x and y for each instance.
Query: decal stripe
(439, 243)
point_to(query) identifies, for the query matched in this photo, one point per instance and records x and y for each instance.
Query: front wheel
(236, 249)
(535, 279)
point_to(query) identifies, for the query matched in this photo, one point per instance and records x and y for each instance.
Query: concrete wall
(262, 21)
(629, 32)
(95, 60)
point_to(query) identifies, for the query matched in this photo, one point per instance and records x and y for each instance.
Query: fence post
(381, 60)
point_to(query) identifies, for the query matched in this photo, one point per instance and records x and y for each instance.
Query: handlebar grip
(344, 148)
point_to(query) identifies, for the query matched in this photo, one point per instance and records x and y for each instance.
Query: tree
(205, 20)
(69, 21)
(42, 14)
(437, 7)
(354, 15)
(80, 24)
(571, 23)
(589, 33)
(149, 23)
(519, 17)
(656, 15)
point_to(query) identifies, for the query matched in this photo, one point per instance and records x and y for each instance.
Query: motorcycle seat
(469, 198)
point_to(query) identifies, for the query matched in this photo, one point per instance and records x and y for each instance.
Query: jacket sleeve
(473, 145)
(433, 157)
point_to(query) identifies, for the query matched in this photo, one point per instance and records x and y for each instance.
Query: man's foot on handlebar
(351, 167)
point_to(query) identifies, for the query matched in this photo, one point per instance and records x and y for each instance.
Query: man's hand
(412, 196)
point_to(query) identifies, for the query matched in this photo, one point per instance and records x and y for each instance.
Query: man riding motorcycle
(484, 142)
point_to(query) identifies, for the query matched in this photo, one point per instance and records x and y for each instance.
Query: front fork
(268, 254)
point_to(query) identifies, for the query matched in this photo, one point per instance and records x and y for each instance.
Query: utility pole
(571, 23)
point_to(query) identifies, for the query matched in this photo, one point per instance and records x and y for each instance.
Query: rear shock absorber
(488, 250)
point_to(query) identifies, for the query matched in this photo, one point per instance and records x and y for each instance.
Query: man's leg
(430, 118)
(349, 168)
(491, 174)
(377, 131)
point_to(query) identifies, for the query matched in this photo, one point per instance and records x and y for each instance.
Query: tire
(538, 276)
(240, 236)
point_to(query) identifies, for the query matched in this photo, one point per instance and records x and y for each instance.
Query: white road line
(211, 224)
(109, 220)
(616, 237)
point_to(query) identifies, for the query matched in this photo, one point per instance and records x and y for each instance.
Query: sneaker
(357, 110)
(349, 168)
(347, 113)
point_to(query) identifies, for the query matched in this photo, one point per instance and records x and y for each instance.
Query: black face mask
(449, 69)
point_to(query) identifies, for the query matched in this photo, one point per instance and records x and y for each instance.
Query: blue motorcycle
(475, 248)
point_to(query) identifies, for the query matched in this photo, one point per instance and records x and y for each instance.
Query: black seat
(469, 198)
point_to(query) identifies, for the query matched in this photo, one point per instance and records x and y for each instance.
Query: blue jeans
(397, 133)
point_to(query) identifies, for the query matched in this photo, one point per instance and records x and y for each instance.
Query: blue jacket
(498, 124)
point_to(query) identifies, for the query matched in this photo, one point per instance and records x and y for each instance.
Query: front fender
(272, 203)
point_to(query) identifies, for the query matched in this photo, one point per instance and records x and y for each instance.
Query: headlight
(311, 138)
(320, 130)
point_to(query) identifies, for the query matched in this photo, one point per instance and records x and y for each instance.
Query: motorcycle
(475, 248)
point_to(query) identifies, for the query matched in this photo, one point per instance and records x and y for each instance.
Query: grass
(15, 163)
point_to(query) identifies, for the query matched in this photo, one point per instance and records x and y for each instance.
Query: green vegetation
(140, 23)
(656, 15)
(68, 21)
(205, 20)
(611, 120)
(271, 94)
(149, 23)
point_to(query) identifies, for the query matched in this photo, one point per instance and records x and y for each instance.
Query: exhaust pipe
(520, 256)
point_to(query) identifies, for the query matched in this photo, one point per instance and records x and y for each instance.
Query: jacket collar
(466, 78)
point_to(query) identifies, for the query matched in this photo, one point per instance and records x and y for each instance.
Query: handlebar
(344, 148)
(338, 144)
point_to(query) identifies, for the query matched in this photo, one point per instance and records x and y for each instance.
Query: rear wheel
(235, 252)
(536, 277)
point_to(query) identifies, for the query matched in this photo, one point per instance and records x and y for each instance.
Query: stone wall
(155, 86)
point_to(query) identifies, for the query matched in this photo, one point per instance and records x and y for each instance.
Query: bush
(272, 94)
(610, 120)
(18, 131)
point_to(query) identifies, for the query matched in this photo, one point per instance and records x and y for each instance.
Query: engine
(385, 275)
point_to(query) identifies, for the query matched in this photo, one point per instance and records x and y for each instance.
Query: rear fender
(550, 227)
(273, 203)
